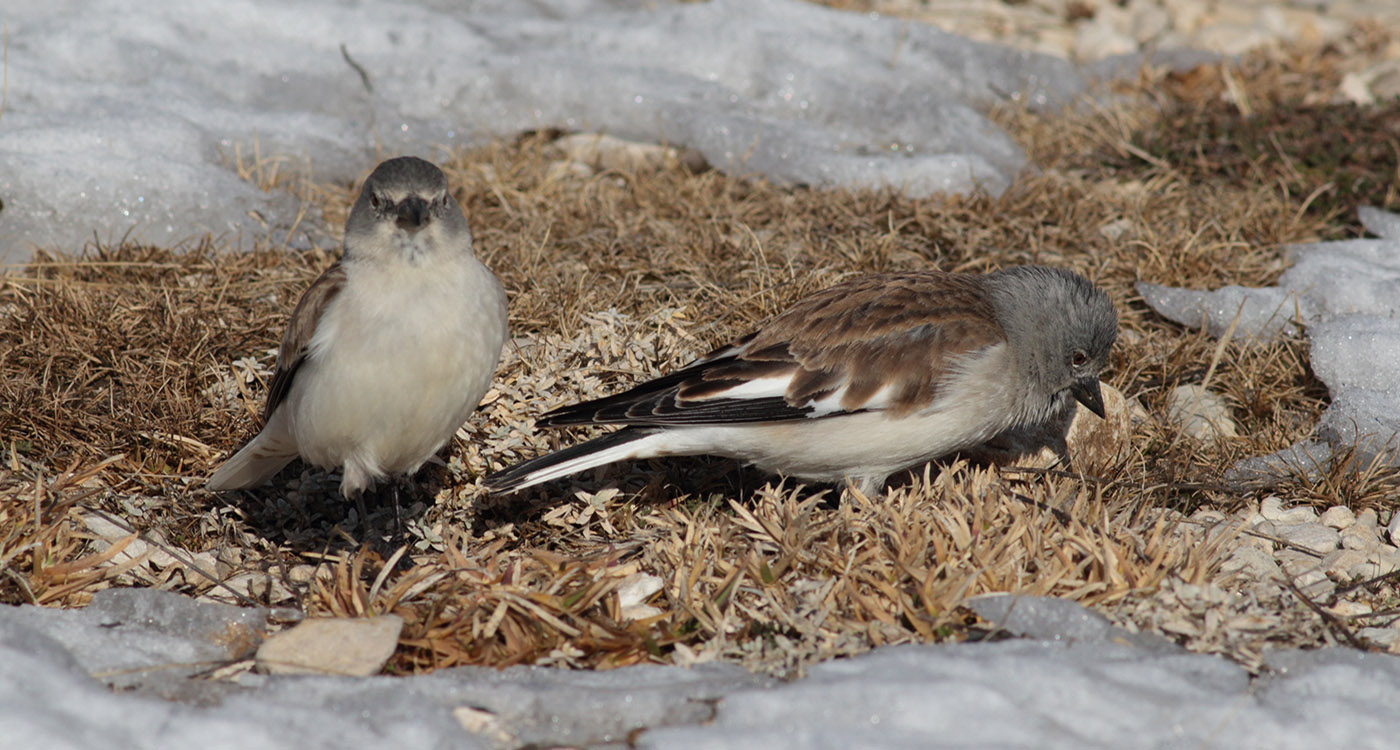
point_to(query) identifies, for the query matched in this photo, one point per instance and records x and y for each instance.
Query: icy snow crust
(1082, 683)
(121, 114)
(1346, 297)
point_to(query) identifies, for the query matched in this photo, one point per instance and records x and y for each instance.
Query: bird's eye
(1079, 358)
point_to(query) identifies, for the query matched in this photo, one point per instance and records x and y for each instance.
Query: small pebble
(1255, 563)
(1338, 517)
(1368, 518)
(1313, 536)
(1272, 509)
(1383, 637)
(1341, 562)
(1295, 563)
(1387, 559)
(1314, 584)
(1360, 537)
(1199, 413)
(1350, 609)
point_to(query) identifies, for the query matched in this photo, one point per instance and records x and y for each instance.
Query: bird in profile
(871, 376)
(390, 350)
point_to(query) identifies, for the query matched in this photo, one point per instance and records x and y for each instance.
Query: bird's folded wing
(296, 340)
(883, 342)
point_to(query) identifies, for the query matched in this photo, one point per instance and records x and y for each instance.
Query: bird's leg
(398, 513)
(360, 507)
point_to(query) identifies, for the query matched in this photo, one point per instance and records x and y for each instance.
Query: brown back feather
(903, 330)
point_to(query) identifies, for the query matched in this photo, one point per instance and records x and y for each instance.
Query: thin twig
(364, 76)
(1334, 622)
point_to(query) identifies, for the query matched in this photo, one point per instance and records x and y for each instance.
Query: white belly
(396, 366)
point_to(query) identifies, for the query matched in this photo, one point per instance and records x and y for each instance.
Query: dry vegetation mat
(129, 372)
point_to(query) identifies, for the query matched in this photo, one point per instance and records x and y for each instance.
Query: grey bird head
(1061, 326)
(405, 210)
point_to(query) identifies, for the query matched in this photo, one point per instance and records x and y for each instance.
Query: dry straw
(129, 371)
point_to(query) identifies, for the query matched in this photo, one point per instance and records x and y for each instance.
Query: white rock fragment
(1256, 563)
(1386, 638)
(633, 592)
(1350, 609)
(1378, 82)
(1199, 413)
(1314, 583)
(255, 585)
(1100, 38)
(1361, 538)
(338, 646)
(1231, 39)
(479, 721)
(1312, 536)
(1116, 229)
(1386, 560)
(138, 548)
(1338, 517)
(1149, 21)
(1272, 509)
(1392, 530)
(1342, 563)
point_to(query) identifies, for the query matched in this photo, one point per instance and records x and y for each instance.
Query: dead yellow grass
(129, 372)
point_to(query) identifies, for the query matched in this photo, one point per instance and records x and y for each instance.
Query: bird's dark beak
(1086, 391)
(413, 213)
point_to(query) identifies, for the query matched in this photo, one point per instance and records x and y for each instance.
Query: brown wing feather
(903, 330)
(300, 328)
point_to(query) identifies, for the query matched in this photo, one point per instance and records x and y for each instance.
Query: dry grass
(129, 372)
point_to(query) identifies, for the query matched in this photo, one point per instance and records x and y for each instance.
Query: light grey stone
(1199, 413)
(1253, 562)
(1360, 537)
(1313, 536)
(1338, 517)
(1272, 508)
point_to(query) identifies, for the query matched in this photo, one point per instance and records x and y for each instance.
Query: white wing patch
(758, 388)
(777, 387)
(831, 403)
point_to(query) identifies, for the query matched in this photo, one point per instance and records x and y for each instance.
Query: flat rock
(1361, 537)
(1341, 563)
(1313, 536)
(1252, 562)
(338, 646)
